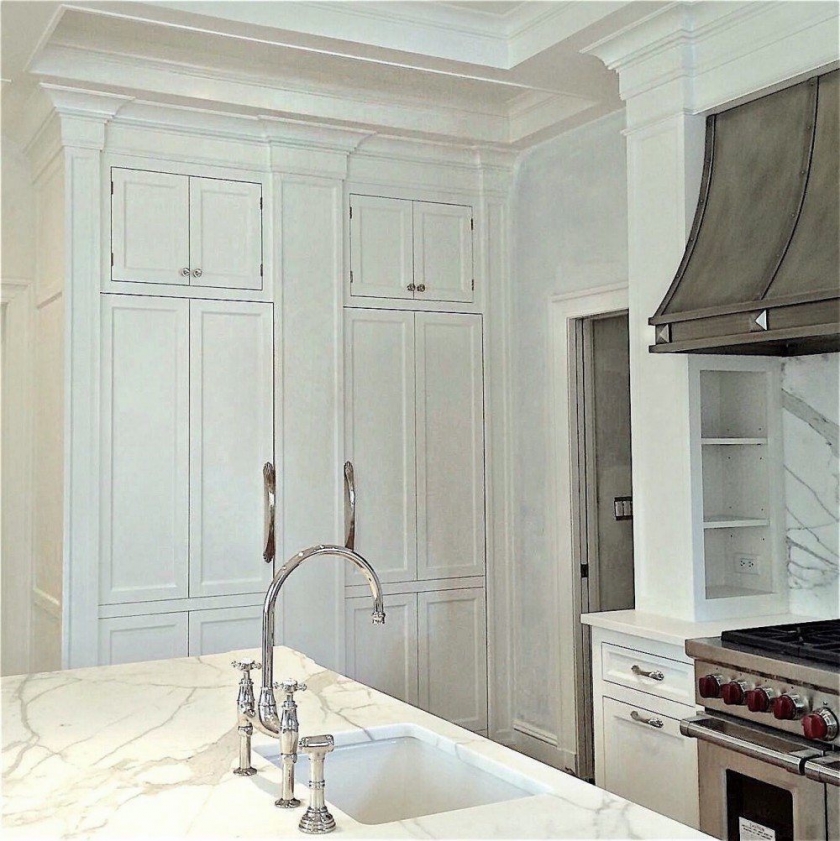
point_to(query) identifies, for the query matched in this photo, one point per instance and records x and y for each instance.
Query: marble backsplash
(810, 410)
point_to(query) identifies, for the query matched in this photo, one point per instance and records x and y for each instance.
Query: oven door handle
(823, 770)
(708, 729)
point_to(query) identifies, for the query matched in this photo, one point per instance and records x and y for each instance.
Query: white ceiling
(501, 73)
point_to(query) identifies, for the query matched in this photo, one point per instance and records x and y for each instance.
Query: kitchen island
(147, 749)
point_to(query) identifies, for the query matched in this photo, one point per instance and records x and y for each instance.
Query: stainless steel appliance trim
(824, 770)
(747, 742)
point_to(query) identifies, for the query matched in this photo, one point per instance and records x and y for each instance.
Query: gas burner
(813, 641)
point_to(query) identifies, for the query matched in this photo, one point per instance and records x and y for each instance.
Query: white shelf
(734, 523)
(730, 441)
(729, 591)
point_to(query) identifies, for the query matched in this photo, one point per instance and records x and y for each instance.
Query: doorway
(602, 499)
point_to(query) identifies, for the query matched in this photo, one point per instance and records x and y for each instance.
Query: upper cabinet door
(231, 438)
(225, 233)
(450, 445)
(380, 247)
(379, 365)
(150, 227)
(443, 252)
(145, 448)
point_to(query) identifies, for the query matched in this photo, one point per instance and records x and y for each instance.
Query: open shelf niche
(736, 430)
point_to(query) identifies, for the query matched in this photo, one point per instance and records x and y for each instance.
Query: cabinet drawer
(647, 760)
(669, 679)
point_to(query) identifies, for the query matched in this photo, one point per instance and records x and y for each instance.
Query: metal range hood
(761, 270)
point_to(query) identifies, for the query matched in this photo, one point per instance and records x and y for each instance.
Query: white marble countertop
(676, 631)
(146, 750)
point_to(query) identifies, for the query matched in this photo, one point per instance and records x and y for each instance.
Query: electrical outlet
(746, 564)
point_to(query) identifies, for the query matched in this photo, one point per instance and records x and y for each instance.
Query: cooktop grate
(817, 641)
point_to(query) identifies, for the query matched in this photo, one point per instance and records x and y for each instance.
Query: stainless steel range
(769, 741)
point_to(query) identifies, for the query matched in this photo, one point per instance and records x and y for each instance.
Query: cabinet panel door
(231, 437)
(133, 639)
(647, 764)
(379, 366)
(150, 238)
(145, 448)
(384, 656)
(225, 233)
(225, 629)
(452, 638)
(450, 445)
(443, 251)
(380, 247)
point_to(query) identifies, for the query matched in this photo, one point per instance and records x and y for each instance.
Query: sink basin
(402, 771)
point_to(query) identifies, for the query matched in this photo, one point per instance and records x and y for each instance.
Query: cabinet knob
(185, 272)
(197, 272)
(421, 287)
(411, 287)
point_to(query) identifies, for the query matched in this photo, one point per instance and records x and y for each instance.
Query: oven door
(751, 783)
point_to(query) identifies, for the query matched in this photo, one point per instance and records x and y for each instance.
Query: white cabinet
(453, 656)
(641, 689)
(150, 214)
(431, 651)
(449, 441)
(414, 433)
(133, 639)
(187, 424)
(185, 230)
(145, 449)
(231, 437)
(650, 761)
(411, 250)
(224, 629)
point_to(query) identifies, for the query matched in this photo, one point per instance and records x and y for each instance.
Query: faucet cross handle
(289, 686)
(246, 666)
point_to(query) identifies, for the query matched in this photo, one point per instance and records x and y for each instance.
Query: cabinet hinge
(351, 275)
(112, 188)
(472, 224)
(261, 206)
(584, 570)
(472, 285)
(351, 211)
(261, 269)
(112, 259)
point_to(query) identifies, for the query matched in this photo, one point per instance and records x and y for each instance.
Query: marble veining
(146, 750)
(811, 438)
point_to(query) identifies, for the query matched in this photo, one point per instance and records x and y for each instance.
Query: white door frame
(563, 310)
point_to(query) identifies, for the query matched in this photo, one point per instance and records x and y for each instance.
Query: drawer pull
(654, 675)
(651, 722)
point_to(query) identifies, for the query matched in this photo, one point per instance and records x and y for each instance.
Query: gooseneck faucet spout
(267, 708)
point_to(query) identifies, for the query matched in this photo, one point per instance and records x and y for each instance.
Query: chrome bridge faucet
(263, 716)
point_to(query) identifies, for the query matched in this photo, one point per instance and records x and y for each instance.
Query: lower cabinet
(159, 636)
(431, 652)
(649, 761)
(641, 688)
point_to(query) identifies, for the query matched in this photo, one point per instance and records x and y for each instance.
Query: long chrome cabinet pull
(270, 488)
(651, 722)
(654, 675)
(350, 511)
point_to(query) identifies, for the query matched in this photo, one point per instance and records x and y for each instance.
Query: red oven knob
(821, 725)
(760, 700)
(788, 707)
(709, 686)
(733, 692)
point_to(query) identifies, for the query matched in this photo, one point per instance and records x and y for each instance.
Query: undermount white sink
(395, 772)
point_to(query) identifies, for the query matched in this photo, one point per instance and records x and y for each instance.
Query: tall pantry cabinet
(414, 435)
(186, 417)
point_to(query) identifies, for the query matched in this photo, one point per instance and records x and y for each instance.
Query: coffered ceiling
(498, 73)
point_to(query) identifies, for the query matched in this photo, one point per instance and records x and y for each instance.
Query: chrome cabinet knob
(197, 272)
(421, 287)
(411, 287)
(185, 272)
